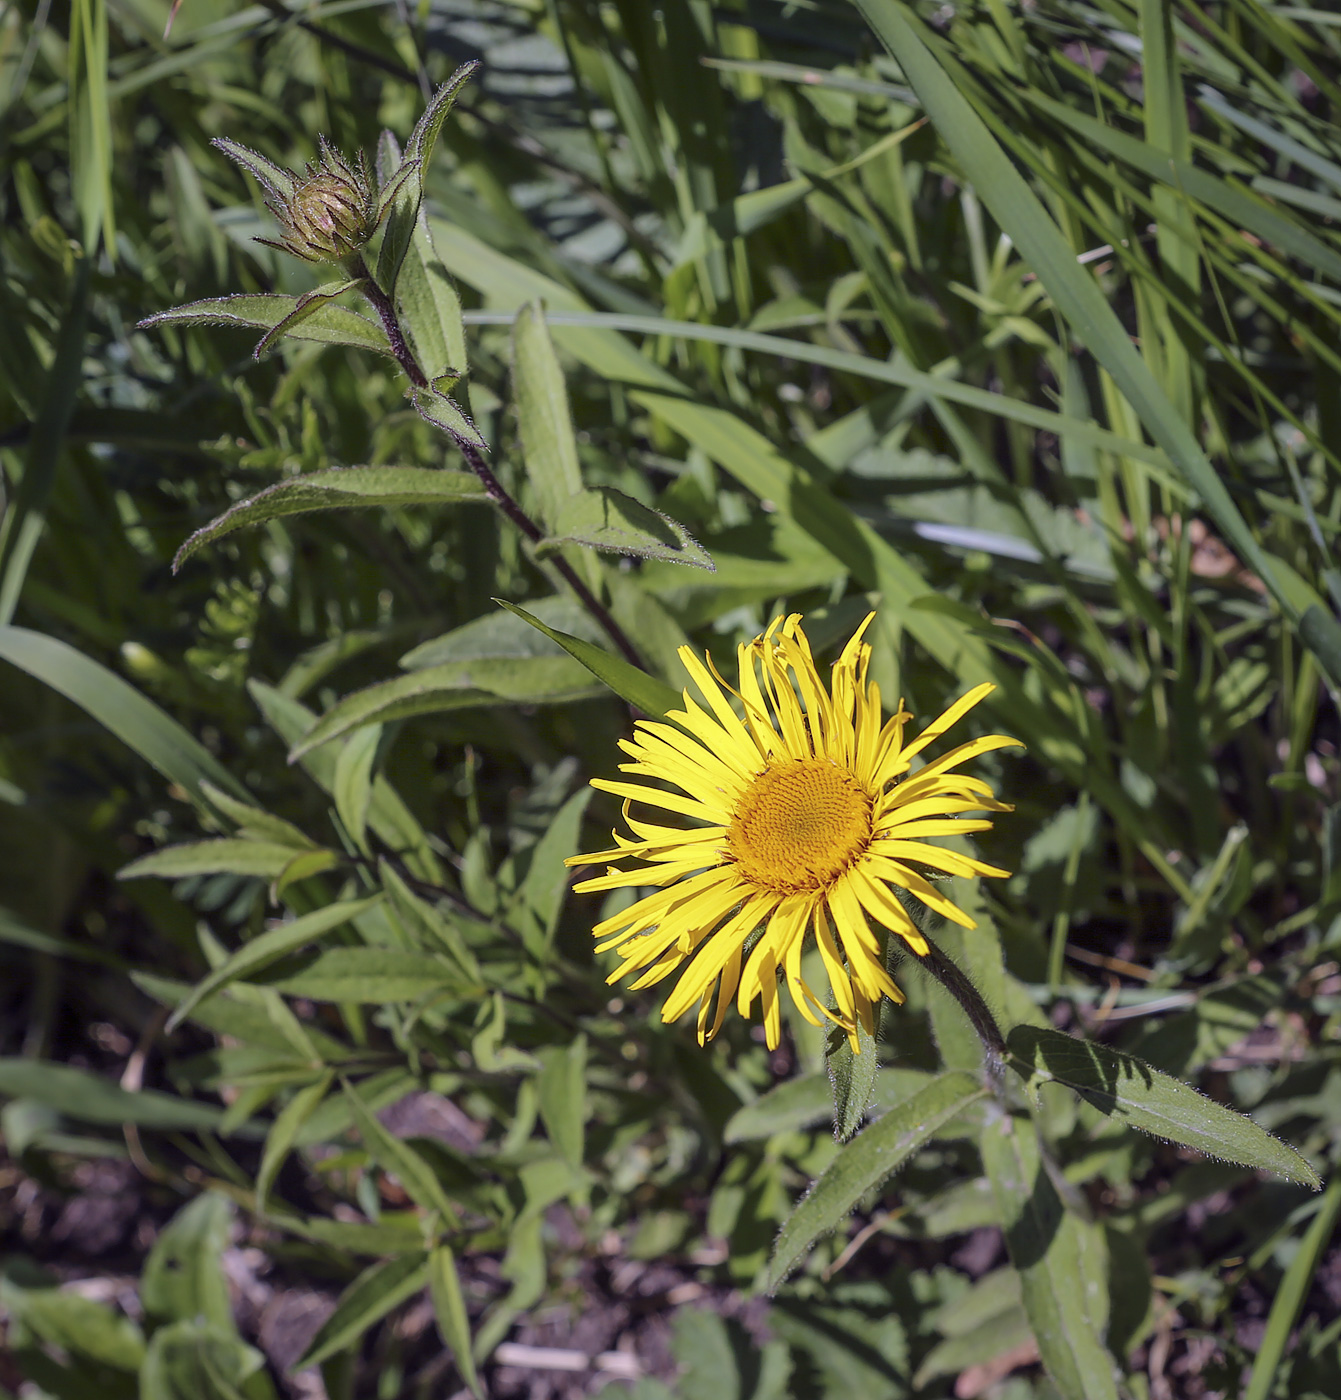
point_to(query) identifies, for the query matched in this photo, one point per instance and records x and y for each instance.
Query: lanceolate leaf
(329, 324)
(307, 306)
(225, 856)
(606, 519)
(371, 975)
(852, 1079)
(1128, 1089)
(436, 406)
(1060, 1259)
(336, 488)
(869, 1159)
(366, 1301)
(90, 1098)
(653, 697)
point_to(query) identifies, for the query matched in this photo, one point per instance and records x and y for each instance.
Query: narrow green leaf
(79, 1326)
(398, 1157)
(305, 308)
(454, 685)
(366, 1301)
(427, 925)
(1059, 1258)
(653, 697)
(329, 324)
(338, 488)
(90, 1098)
(25, 518)
(867, 1161)
(449, 1307)
(270, 946)
(120, 708)
(198, 1360)
(1072, 287)
(284, 1133)
(255, 824)
(226, 855)
(405, 201)
(851, 1078)
(273, 177)
(369, 975)
(436, 406)
(353, 781)
(562, 1090)
(606, 519)
(549, 447)
(429, 307)
(1290, 1295)
(1124, 1087)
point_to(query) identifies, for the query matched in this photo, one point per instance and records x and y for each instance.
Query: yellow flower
(803, 820)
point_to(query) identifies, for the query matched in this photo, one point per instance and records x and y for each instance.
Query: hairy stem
(497, 492)
(952, 978)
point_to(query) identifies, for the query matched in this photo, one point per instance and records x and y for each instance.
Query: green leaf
(399, 1158)
(405, 200)
(256, 824)
(436, 406)
(1060, 1261)
(226, 855)
(1072, 287)
(498, 635)
(852, 1079)
(193, 1360)
(867, 1161)
(25, 518)
(428, 925)
(562, 1090)
(429, 307)
(90, 1098)
(549, 448)
(270, 946)
(653, 697)
(353, 781)
(274, 178)
(329, 324)
(305, 308)
(339, 488)
(369, 975)
(545, 886)
(606, 519)
(454, 685)
(1126, 1088)
(183, 1276)
(119, 708)
(77, 1325)
(449, 1307)
(795, 1103)
(283, 1134)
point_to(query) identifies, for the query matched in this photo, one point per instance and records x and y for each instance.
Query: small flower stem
(496, 491)
(952, 978)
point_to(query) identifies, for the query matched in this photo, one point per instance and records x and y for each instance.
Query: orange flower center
(799, 825)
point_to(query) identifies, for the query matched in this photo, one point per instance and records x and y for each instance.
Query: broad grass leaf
(269, 947)
(1072, 287)
(1126, 1088)
(120, 709)
(653, 697)
(366, 1301)
(329, 324)
(867, 1161)
(1060, 1259)
(339, 488)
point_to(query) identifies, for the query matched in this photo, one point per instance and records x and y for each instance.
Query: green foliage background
(1017, 324)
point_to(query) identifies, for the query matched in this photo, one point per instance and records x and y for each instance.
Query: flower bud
(329, 213)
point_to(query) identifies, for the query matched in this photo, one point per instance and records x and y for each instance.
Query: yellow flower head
(803, 820)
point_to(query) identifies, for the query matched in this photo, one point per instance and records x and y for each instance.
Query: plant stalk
(496, 491)
(952, 978)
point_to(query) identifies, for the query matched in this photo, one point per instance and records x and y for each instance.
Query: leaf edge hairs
(804, 821)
